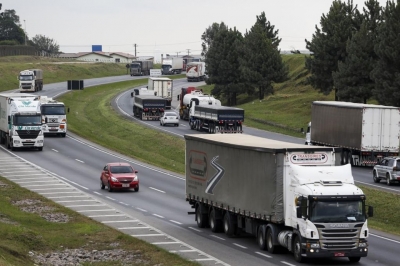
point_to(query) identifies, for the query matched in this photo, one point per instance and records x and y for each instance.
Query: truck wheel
(297, 250)
(375, 177)
(270, 242)
(230, 227)
(354, 259)
(215, 224)
(388, 182)
(261, 238)
(201, 218)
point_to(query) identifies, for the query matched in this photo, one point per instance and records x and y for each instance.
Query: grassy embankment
(286, 111)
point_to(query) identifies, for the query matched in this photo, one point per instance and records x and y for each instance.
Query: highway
(161, 204)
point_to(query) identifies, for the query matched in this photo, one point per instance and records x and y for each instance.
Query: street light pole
(25, 30)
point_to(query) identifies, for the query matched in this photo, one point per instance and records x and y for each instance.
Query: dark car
(119, 176)
(388, 169)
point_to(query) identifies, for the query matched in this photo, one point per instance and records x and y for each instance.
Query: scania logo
(28, 132)
(340, 225)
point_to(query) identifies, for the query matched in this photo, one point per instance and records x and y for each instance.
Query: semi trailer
(140, 68)
(148, 107)
(366, 132)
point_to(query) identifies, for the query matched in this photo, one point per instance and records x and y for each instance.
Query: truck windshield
(28, 120)
(135, 65)
(26, 77)
(337, 211)
(166, 67)
(52, 110)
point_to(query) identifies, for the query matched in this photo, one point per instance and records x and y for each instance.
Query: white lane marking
(63, 197)
(130, 228)
(72, 192)
(66, 201)
(165, 243)
(110, 198)
(287, 263)
(104, 210)
(197, 230)
(147, 235)
(159, 216)
(95, 192)
(157, 190)
(126, 221)
(48, 185)
(240, 246)
(55, 150)
(385, 238)
(107, 215)
(182, 251)
(74, 206)
(123, 203)
(203, 259)
(176, 222)
(140, 209)
(79, 161)
(30, 178)
(218, 237)
(262, 254)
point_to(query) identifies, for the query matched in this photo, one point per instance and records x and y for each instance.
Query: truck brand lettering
(301, 158)
(217, 177)
(340, 225)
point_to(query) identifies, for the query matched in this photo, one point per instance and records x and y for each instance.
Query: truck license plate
(339, 254)
(125, 185)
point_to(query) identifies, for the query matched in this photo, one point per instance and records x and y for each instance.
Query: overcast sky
(169, 27)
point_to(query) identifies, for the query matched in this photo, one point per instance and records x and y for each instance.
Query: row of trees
(357, 54)
(239, 64)
(11, 33)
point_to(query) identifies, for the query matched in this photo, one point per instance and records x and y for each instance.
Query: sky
(162, 27)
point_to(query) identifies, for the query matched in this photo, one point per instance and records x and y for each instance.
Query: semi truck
(173, 65)
(215, 118)
(147, 107)
(195, 71)
(366, 132)
(20, 121)
(288, 196)
(162, 87)
(30, 80)
(140, 68)
(54, 116)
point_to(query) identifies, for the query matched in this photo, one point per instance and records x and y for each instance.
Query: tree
(261, 62)
(353, 80)
(223, 62)
(46, 45)
(328, 44)
(9, 27)
(269, 30)
(209, 35)
(386, 72)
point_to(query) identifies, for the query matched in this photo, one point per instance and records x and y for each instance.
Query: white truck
(196, 71)
(54, 116)
(286, 195)
(162, 87)
(20, 121)
(366, 132)
(173, 65)
(142, 91)
(30, 80)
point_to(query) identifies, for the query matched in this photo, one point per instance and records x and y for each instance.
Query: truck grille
(28, 143)
(339, 238)
(28, 134)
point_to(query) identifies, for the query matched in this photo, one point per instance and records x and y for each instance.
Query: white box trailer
(286, 195)
(162, 87)
(366, 132)
(20, 121)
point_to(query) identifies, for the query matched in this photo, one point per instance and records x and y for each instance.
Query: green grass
(22, 232)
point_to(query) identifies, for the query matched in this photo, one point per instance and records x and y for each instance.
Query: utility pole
(177, 54)
(135, 49)
(188, 51)
(25, 30)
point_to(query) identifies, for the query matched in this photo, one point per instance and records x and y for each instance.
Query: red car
(119, 176)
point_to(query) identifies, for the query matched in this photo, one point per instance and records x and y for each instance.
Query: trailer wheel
(261, 238)
(230, 227)
(297, 250)
(201, 218)
(215, 223)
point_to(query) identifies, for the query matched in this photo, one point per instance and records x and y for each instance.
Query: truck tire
(270, 242)
(214, 222)
(201, 218)
(375, 177)
(229, 224)
(261, 238)
(297, 250)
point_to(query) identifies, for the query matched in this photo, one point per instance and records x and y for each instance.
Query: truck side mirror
(298, 212)
(370, 211)
(45, 120)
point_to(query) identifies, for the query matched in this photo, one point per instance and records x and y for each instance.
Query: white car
(169, 118)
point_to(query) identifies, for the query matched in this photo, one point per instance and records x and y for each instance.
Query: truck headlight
(362, 244)
(314, 245)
